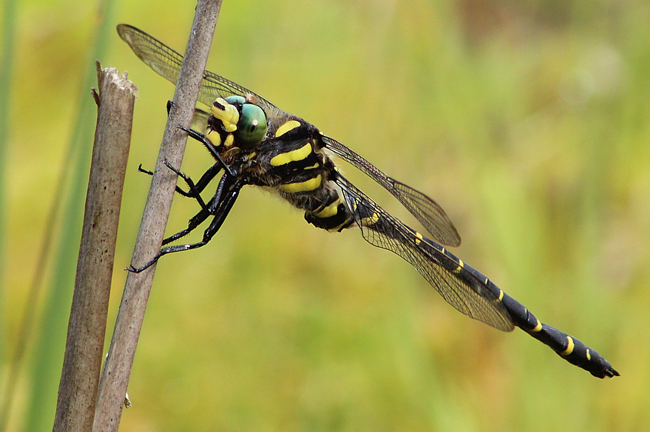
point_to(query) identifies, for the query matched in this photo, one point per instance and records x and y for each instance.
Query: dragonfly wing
(459, 288)
(167, 63)
(432, 217)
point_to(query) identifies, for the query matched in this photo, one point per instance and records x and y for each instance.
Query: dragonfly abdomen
(332, 214)
(566, 346)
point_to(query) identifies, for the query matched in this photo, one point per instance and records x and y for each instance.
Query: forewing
(381, 229)
(167, 63)
(432, 217)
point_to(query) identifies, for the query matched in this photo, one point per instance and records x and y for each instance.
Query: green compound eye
(251, 128)
(236, 99)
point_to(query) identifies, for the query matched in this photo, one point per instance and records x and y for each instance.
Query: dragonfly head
(242, 118)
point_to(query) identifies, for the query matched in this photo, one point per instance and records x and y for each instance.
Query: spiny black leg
(193, 191)
(211, 209)
(206, 142)
(201, 137)
(142, 170)
(191, 226)
(216, 223)
(178, 189)
(199, 111)
(207, 176)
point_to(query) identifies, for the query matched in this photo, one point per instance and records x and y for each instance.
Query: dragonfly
(253, 142)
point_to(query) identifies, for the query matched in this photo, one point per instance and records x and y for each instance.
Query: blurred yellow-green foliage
(528, 121)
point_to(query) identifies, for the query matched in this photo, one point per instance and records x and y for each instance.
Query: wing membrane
(460, 289)
(432, 217)
(167, 63)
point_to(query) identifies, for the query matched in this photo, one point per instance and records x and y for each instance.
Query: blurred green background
(528, 121)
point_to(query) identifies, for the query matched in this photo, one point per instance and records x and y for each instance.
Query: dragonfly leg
(194, 190)
(211, 148)
(219, 207)
(211, 209)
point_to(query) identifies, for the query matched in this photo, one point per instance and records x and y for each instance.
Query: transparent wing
(432, 217)
(167, 63)
(200, 119)
(455, 284)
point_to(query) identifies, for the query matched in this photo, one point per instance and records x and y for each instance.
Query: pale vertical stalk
(87, 326)
(115, 376)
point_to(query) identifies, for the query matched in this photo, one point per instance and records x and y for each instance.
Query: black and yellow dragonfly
(256, 143)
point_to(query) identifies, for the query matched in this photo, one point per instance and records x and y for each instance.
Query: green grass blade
(8, 27)
(6, 65)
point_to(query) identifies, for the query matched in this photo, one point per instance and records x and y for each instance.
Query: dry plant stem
(85, 343)
(115, 376)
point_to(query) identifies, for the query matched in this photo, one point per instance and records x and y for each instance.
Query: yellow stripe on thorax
(288, 126)
(306, 186)
(292, 156)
